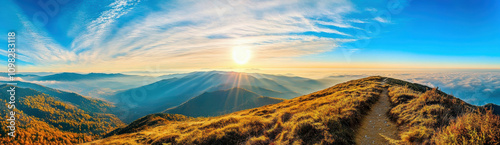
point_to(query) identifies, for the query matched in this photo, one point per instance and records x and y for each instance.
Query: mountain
(96, 85)
(296, 84)
(422, 115)
(222, 102)
(148, 121)
(24, 76)
(45, 119)
(167, 93)
(258, 90)
(66, 76)
(19, 75)
(495, 108)
(81, 102)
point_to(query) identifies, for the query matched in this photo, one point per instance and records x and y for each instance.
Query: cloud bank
(475, 87)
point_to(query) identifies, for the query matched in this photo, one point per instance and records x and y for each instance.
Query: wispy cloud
(39, 47)
(381, 20)
(371, 9)
(196, 33)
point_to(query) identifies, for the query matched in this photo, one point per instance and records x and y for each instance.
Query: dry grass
(471, 128)
(421, 112)
(424, 116)
(329, 116)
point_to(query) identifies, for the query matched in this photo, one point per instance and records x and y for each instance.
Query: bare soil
(376, 123)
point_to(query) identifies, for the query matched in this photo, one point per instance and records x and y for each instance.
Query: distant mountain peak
(70, 76)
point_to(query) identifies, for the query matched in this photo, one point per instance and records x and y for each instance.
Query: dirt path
(376, 124)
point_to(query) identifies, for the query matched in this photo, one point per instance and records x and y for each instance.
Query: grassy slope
(428, 116)
(424, 116)
(222, 102)
(148, 121)
(329, 116)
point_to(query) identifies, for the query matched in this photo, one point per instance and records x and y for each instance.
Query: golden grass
(471, 128)
(329, 116)
(429, 116)
(424, 116)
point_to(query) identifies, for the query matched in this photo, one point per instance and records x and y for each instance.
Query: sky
(129, 35)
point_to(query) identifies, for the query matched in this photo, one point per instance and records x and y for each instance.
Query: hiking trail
(376, 123)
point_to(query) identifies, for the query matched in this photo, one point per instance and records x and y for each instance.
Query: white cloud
(97, 30)
(38, 47)
(370, 9)
(340, 25)
(356, 21)
(381, 20)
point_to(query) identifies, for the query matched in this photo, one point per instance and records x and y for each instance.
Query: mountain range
(137, 96)
(167, 93)
(66, 76)
(85, 103)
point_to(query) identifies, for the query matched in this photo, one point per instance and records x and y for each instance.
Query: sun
(241, 55)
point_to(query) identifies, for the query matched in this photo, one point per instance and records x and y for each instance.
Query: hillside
(148, 121)
(427, 115)
(327, 116)
(423, 115)
(45, 119)
(222, 102)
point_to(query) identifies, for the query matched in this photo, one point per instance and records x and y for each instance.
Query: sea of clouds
(478, 88)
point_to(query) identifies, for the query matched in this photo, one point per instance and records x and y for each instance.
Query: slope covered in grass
(148, 121)
(423, 115)
(329, 116)
(428, 116)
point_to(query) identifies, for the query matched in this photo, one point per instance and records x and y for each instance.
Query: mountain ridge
(330, 116)
(82, 102)
(221, 102)
(69, 76)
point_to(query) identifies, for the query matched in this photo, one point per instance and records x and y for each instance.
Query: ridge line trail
(376, 123)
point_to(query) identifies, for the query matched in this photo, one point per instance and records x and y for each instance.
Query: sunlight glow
(241, 55)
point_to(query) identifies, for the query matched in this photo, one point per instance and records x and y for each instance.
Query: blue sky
(122, 35)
